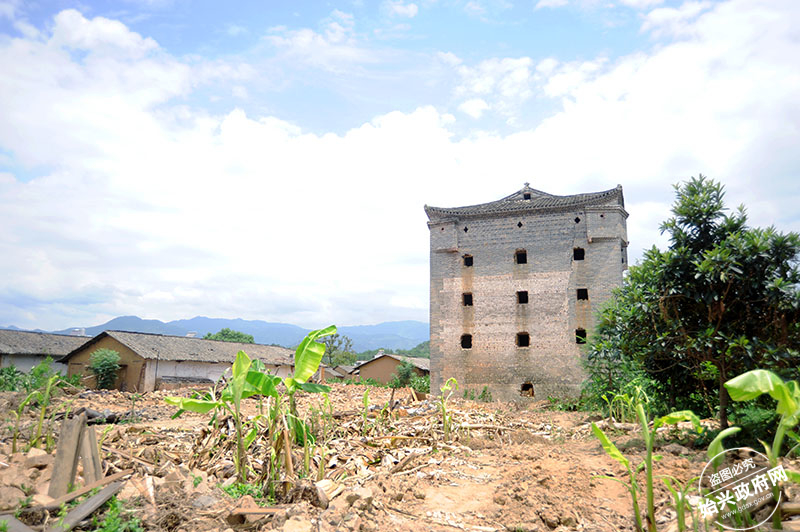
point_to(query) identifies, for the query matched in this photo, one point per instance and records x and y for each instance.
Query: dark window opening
(467, 298)
(526, 390)
(583, 293)
(521, 256)
(577, 220)
(526, 195)
(442, 228)
(523, 339)
(522, 298)
(580, 336)
(467, 260)
(465, 229)
(519, 224)
(578, 253)
(602, 216)
(466, 341)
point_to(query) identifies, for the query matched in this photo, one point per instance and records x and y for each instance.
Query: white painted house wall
(25, 363)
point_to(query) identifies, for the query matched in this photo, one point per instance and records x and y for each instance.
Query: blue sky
(270, 160)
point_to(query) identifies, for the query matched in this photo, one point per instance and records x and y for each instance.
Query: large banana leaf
(263, 383)
(201, 406)
(238, 384)
(673, 418)
(750, 385)
(309, 354)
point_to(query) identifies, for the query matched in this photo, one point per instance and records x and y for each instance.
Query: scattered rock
(297, 524)
(676, 449)
(204, 501)
(360, 494)
(10, 497)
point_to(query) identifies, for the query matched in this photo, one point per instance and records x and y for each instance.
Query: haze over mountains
(391, 335)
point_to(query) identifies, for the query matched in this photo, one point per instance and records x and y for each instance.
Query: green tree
(104, 363)
(339, 348)
(229, 335)
(721, 300)
(403, 375)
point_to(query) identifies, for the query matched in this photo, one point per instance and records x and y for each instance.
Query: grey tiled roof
(37, 343)
(183, 348)
(538, 201)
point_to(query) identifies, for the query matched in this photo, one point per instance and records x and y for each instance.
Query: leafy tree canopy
(721, 300)
(229, 335)
(339, 350)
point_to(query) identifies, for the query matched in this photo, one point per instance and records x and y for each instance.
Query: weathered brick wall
(551, 277)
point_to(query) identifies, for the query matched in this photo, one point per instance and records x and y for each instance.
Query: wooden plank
(790, 508)
(66, 462)
(13, 524)
(92, 468)
(86, 489)
(85, 509)
(129, 456)
(258, 511)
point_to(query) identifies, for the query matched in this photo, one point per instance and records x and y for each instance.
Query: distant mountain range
(389, 335)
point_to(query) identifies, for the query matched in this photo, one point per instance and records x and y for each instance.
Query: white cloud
(551, 3)
(503, 84)
(143, 204)
(332, 49)
(674, 21)
(474, 107)
(72, 30)
(400, 9)
(641, 4)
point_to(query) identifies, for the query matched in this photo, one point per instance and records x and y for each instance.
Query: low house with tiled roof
(26, 349)
(383, 367)
(153, 361)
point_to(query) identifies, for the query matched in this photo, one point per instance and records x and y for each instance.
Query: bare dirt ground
(505, 467)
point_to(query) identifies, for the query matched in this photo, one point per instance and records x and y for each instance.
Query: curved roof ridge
(528, 199)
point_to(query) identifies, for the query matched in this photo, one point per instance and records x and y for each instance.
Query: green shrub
(104, 363)
(402, 377)
(10, 379)
(421, 383)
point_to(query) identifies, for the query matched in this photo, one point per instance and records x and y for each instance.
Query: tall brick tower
(515, 284)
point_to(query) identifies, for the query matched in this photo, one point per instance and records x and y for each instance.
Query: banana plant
(249, 378)
(749, 386)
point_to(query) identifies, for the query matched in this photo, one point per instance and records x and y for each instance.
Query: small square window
(580, 336)
(467, 260)
(467, 299)
(522, 297)
(466, 341)
(523, 339)
(521, 256)
(526, 195)
(583, 293)
(578, 253)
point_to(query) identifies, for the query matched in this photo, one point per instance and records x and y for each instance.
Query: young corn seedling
(449, 388)
(649, 436)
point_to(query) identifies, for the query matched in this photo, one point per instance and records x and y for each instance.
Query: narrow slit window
(580, 336)
(466, 341)
(521, 256)
(466, 298)
(466, 228)
(578, 254)
(583, 293)
(523, 339)
(522, 297)
(468, 260)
